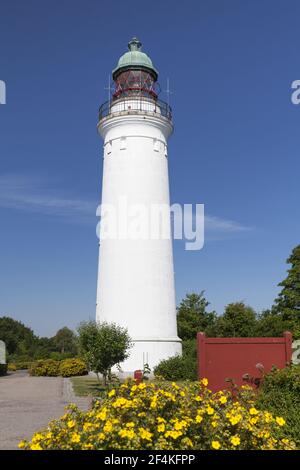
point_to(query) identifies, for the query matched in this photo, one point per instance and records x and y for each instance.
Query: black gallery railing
(132, 104)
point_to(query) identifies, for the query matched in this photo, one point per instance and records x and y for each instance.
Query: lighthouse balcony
(135, 105)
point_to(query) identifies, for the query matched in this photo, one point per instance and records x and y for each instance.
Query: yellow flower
(142, 386)
(130, 425)
(280, 421)
(88, 446)
(235, 440)
(112, 393)
(87, 426)
(127, 433)
(268, 417)
(133, 388)
(161, 427)
(179, 425)
(204, 382)
(101, 415)
(145, 434)
(235, 419)
(71, 424)
(21, 445)
(253, 411)
(223, 400)
(160, 419)
(214, 424)
(198, 398)
(182, 394)
(210, 410)
(75, 437)
(108, 426)
(173, 434)
(198, 419)
(35, 447)
(101, 436)
(216, 445)
(253, 420)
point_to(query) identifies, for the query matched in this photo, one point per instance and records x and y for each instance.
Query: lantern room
(135, 74)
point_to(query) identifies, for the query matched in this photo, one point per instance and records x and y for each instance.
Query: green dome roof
(135, 59)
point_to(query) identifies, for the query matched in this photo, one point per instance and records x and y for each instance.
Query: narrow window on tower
(108, 147)
(123, 143)
(156, 144)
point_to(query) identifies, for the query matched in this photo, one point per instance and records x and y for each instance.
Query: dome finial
(134, 44)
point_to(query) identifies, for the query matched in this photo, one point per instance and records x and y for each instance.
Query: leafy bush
(11, 367)
(3, 369)
(280, 393)
(45, 367)
(180, 367)
(57, 356)
(67, 368)
(164, 416)
(72, 367)
(21, 365)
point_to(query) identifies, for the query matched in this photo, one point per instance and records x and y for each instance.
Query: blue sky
(235, 147)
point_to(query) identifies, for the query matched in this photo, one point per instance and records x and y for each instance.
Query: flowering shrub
(65, 368)
(43, 367)
(11, 367)
(165, 416)
(72, 367)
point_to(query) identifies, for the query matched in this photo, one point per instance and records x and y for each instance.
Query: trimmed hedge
(51, 368)
(72, 367)
(180, 367)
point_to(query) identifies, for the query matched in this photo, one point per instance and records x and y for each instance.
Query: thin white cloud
(29, 193)
(217, 224)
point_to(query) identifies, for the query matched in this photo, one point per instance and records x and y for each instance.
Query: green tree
(270, 323)
(65, 341)
(103, 345)
(192, 316)
(19, 339)
(238, 320)
(287, 304)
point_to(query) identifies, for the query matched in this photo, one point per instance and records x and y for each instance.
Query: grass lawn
(87, 385)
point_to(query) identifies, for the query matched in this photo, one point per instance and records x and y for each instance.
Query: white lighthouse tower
(136, 274)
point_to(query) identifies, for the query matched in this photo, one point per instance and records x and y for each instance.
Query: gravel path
(27, 404)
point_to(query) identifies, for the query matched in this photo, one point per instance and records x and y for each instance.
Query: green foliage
(3, 369)
(23, 345)
(50, 368)
(193, 317)
(270, 323)
(17, 337)
(287, 305)
(239, 320)
(65, 341)
(72, 367)
(103, 345)
(45, 367)
(180, 367)
(280, 394)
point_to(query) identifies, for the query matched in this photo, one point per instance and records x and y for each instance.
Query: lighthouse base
(149, 351)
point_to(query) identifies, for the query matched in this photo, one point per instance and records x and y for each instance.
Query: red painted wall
(221, 358)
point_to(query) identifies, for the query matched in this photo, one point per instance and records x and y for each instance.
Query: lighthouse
(136, 275)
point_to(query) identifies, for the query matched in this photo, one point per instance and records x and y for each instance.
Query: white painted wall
(136, 278)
